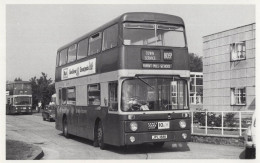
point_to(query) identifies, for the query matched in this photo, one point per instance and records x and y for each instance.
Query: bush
(230, 120)
(213, 119)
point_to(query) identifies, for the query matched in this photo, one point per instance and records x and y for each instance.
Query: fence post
(206, 124)
(192, 122)
(240, 125)
(222, 122)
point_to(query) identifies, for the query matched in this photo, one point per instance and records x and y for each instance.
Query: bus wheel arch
(95, 143)
(65, 126)
(99, 134)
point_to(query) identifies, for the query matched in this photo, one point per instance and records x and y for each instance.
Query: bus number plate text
(159, 136)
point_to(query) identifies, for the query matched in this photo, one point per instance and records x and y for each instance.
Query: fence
(225, 123)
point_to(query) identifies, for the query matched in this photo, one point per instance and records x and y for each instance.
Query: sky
(35, 32)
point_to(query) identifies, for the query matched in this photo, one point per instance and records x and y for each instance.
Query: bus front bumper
(150, 137)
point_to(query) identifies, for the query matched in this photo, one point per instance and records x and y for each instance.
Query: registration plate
(163, 125)
(159, 136)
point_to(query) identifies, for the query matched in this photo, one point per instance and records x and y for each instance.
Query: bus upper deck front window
(154, 94)
(153, 35)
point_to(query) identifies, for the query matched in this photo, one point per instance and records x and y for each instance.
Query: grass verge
(17, 150)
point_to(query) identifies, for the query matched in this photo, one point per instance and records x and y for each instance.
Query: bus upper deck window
(95, 42)
(110, 37)
(57, 59)
(153, 35)
(72, 53)
(63, 57)
(82, 49)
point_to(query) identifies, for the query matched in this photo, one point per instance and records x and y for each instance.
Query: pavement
(37, 153)
(33, 130)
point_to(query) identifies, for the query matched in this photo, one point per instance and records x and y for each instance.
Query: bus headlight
(182, 124)
(132, 139)
(133, 126)
(184, 135)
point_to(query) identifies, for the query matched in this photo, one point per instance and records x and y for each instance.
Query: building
(229, 69)
(196, 90)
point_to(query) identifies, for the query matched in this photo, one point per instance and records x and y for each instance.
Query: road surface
(32, 129)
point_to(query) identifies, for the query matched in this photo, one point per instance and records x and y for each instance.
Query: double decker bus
(126, 82)
(18, 97)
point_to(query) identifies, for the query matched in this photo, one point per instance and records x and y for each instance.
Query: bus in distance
(18, 97)
(126, 82)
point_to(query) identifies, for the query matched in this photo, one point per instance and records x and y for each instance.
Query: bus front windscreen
(21, 100)
(153, 35)
(154, 94)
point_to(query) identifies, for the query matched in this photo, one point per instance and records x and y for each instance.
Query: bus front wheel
(65, 127)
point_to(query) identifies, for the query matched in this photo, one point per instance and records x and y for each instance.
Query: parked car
(49, 113)
(250, 142)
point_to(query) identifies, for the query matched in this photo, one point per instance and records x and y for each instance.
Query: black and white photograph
(128, 80)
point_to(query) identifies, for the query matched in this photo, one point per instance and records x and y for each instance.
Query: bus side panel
(88, 120)
(109, 60)
(85, 126)
(72, 119)
(113, 130)
(113, 127)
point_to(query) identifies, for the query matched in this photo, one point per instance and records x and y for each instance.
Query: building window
(71, 95)
(110, 37)
(196, 89)
(72, 53)
(82, 49)
(94, 94)
(95, 43)
(112, 102)
(238, 51)
(238, 96)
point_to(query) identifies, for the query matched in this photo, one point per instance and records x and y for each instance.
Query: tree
(42, 89)
(18, 79)
(196, 64)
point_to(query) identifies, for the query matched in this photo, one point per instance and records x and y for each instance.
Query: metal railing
(224, 123)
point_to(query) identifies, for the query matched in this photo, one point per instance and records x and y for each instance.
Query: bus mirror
(105, 101)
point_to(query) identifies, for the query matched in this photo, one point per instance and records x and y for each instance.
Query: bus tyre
(65, 127)
(158, 144)
(100, 136)
(249, 153)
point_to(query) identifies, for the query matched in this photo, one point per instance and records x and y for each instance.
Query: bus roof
(148, 17)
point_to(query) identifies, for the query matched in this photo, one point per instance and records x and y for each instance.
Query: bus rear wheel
(65, 127)
(100, 136)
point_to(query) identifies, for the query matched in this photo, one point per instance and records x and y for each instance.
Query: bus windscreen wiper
(145, 82)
